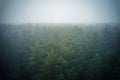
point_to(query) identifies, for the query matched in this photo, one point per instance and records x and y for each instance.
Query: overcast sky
(59, 11)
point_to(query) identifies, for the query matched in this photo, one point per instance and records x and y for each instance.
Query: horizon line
(45, 23)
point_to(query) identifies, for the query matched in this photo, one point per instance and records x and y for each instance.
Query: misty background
(68, 11)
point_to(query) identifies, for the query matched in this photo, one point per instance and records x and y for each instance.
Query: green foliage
(61, 57)
(62, 52)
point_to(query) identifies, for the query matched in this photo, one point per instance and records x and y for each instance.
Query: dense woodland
(60, 52)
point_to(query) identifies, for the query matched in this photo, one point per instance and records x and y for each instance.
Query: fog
(59, 40)
(59, 11)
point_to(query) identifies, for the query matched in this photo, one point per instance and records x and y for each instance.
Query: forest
(59, 51)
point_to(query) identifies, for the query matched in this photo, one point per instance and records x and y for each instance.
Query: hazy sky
(59, 11)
